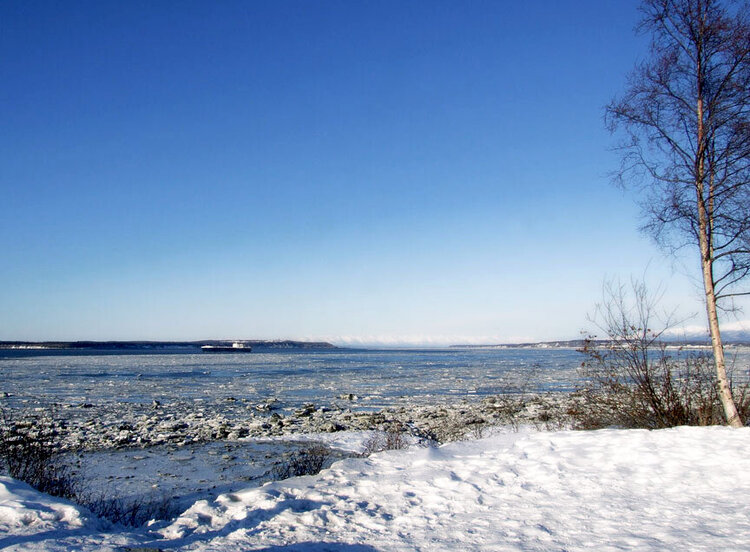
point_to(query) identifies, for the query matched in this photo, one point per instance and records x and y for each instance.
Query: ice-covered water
(102, 393)
(377, 377)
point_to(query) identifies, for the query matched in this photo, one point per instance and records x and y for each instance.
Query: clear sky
(361, 172)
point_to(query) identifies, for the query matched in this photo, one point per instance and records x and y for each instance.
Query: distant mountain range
(161, 345)
(729, 335)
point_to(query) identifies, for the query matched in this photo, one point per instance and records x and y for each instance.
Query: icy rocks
(267, 406)
(305, 411)
(125, 425)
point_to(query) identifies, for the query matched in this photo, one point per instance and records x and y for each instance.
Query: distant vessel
(236, 347)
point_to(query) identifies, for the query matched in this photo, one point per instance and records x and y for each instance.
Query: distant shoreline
(159, 345)
(288, 344)
(579, 343)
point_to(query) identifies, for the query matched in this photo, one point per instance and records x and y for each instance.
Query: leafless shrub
(307, 461)
(633, 379)
(30, 451)
(506, 409)
(551, 416)
(132, 512)
(393, 438)
(476, 430)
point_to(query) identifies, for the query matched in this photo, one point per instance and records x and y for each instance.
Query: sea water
(377, 378)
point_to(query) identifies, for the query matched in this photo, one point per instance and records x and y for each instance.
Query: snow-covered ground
(676, 489)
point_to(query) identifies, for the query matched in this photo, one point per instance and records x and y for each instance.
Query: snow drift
(676, 489)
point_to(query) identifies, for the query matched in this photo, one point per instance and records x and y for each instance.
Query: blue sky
(362, 172)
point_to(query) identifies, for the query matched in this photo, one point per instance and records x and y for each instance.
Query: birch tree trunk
(704, 204)
(722, 382)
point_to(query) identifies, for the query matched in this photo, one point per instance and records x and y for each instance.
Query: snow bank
(683, 488)
(677, 489)
(25, 511)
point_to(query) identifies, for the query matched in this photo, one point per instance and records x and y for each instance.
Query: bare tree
(686, 117)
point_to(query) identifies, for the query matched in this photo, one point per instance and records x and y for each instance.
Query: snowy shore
(676, 489)
(180, 452)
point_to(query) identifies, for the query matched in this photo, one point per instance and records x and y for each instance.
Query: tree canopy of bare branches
(685, 116)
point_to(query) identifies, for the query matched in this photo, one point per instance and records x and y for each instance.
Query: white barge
(235, 347)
